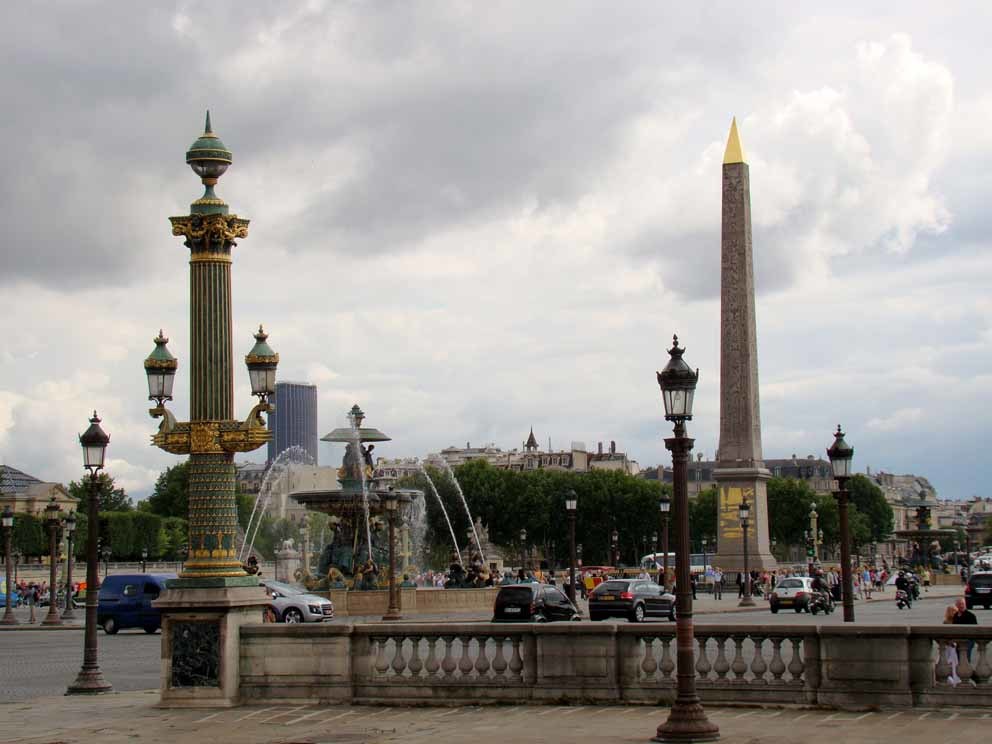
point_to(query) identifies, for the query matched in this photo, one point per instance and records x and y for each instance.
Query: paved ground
(130, 717)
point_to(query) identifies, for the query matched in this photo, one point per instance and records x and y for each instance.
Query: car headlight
(314, 609)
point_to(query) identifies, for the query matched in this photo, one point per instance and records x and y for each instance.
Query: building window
(778, 471)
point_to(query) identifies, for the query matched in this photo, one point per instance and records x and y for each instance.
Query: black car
(978, 590)
(635, 599)
(532, 603)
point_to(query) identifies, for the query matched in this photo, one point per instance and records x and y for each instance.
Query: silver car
(294, 605)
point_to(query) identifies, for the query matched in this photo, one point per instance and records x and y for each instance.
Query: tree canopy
(112, 497)
(170, 496)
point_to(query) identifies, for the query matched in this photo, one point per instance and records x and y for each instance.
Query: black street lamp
(841, 454)
(744, 513)
(614, 548)
(90, 679)
(704, 542)
(391, 505)
(53, 520)
(664, 506)
(144, 559)
(571, 506)
(775, 548)
(7, 520)
(106, 560)
(687, 720)
(523, 548)
(70, 530)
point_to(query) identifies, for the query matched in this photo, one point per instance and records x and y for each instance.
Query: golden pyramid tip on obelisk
(735, 150)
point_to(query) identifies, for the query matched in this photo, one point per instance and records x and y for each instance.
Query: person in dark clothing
(904, 584)
(963, 616)
(692, 583)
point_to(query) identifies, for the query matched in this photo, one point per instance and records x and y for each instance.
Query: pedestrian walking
(692, 583)
(950, 648)
(717, 583)
(740, 584)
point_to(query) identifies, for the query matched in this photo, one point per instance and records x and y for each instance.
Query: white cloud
(900, 419)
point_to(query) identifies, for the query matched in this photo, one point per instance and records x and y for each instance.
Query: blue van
(126, 602)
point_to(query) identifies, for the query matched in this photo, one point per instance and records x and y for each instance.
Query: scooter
(821, 601)
(902, 599)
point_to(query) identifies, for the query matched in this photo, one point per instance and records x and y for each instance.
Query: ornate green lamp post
(212, 576)
(8, 525)
(840, 455)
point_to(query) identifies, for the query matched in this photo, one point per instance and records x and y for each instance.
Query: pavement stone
(130, 717)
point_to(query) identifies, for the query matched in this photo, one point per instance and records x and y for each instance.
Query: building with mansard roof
(26, 494)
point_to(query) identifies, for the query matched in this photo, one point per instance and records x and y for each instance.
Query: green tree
(870, 501)
(170, 496)
(703, 517)
(29, 536)
(789, 502)
(112, 497)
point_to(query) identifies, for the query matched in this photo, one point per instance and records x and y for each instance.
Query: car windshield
(278, 586)
(612, 586)
(516, 593)
(790, 584)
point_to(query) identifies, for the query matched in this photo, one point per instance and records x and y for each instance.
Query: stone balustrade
(847, 667)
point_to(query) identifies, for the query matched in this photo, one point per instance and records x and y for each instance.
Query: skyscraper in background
(294, 421)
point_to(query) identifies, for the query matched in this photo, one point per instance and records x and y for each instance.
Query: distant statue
(288, 544)
(367, 576)
(367, 456)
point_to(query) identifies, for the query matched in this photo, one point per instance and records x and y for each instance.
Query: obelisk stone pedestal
(740, 472)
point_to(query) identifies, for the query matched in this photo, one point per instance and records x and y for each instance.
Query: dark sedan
(635, 599)
(537, 603)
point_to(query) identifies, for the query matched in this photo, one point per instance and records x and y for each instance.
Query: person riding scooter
(819, 585)
(903, 584)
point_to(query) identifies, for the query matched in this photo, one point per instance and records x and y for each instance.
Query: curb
(27, 626)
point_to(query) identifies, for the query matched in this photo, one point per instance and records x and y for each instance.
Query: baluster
(796, 664)
(738, 666)
(448, 662)
(982, 670)
(703, 665)
(415, 664)
(482, 660)
(648, 664)
(399, 661)
(758, 664)
(942, 670)
(964, 663)
(777, 666)
(667, 664)
(381, 665)
(432, 662)
(516, 663)
(499, 661)
(465, 662)
(721, 666)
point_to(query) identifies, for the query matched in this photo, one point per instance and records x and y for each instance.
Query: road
(43, 662)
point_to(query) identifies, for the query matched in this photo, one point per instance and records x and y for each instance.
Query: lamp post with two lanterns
(90, 679)
(70, 530)
(744, 513)
(571, 506)
(53, 520)
(687, 720)
(7, 521)
(664, 506)
(841, 455)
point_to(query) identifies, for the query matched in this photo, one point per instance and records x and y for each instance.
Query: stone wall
(851, 668)
(413, 601)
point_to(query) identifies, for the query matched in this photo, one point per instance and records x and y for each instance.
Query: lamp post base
(392, 614)
(89, 682)
(687, 723)
(52, 618)
(9, 618)
(746, 602)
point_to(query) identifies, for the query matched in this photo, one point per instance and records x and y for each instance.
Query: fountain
(358, 543)
(924, 536)
(444, 511)
(475, 533)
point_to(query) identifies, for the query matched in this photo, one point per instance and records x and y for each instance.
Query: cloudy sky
(474, 218)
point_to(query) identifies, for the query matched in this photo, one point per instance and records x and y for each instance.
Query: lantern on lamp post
(664, 507)
(687, 720)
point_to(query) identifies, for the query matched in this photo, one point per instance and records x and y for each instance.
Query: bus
(655, 561)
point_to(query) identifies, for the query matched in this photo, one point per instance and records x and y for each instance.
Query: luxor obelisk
(740, 472)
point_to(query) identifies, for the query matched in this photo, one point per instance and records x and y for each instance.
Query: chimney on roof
(600, 448)
(613, 447)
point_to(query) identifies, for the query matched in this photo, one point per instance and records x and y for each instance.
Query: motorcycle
(821, 602)
(902, 599)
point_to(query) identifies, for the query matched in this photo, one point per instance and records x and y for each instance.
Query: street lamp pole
(813, 533)
(70, 530)
(8, 525)
(53, 520)
(571, 506)
(687, 720)
(391, 506)
(664, 506)
(841, 454)
(744, 512)
(614, 549)
(90, 679)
